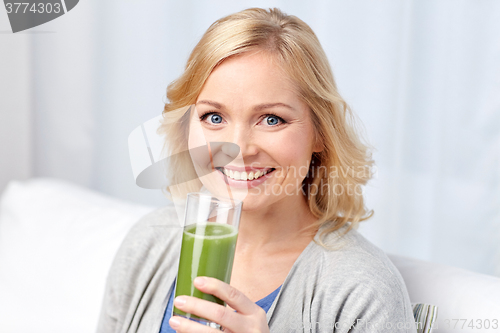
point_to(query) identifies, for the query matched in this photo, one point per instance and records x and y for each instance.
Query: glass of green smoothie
(208, 244)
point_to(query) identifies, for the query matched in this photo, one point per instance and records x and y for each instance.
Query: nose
(244, 138)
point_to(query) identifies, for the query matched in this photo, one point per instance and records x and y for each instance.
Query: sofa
(57, 242)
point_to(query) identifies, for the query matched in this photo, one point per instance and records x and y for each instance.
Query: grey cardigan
(351, 288)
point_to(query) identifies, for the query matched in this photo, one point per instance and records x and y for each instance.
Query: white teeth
(236, 175)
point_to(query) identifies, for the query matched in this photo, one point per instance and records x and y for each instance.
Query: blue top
(264, 303)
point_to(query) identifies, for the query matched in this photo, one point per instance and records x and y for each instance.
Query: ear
(318, 145)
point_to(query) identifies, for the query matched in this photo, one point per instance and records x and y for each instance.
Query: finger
(232, 296)
(209, 310)
(181, 325)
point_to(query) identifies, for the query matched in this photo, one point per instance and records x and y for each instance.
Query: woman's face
(248, 101)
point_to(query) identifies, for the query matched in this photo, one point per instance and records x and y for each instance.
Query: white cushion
(57, 242)
(459, 294)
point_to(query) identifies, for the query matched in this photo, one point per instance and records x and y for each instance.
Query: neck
(277, 227)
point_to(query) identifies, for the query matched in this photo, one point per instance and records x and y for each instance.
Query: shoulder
(351, 282)
(360, 268)
(150, 235)
(147, 242)
(161, 223)
(353, 254)
(149, 245)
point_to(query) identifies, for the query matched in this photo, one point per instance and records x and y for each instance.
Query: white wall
(16, 153)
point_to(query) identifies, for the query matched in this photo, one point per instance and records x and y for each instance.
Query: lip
(246, 168)
(245, 183)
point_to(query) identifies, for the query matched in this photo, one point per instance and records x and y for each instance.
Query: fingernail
(174, 322)
(179, 301)
(200, 281)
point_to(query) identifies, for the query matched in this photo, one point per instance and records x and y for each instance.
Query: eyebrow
(211, 103)
(256, 108)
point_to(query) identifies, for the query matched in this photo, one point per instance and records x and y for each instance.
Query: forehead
(248, 77)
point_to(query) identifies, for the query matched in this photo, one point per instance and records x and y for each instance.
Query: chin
(259, 202)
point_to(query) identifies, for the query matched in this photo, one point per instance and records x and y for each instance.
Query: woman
(260, 79)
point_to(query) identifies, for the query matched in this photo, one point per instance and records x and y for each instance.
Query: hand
(249, 316)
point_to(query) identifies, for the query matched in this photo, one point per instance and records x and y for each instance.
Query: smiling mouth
(244, 176)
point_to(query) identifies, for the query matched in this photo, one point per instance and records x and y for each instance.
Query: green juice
(207, 250)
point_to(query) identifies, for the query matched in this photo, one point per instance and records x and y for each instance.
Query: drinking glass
(208, 244)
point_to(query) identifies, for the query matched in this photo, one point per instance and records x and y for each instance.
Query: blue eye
(273, 120)
(215, 118)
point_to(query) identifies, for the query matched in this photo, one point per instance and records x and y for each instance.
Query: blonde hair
(299, 53)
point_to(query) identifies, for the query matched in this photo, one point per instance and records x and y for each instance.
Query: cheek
(292, 150)
(197, 136)
(197, 149)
